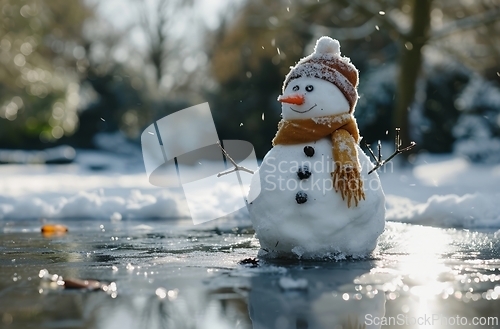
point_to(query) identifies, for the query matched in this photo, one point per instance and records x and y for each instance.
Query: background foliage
(69, 74)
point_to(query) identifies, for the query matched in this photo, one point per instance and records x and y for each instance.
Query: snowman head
(305, 98)
(323, 83)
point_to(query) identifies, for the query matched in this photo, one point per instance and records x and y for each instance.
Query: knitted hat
(327, 64)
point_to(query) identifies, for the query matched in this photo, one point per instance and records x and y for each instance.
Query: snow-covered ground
(443, 190)
(98, 185)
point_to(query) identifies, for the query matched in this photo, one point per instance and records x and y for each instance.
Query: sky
(188, 31)
(123, 13)
(120, 18)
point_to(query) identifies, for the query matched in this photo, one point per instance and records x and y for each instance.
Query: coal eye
(295, 88)
(309, 88)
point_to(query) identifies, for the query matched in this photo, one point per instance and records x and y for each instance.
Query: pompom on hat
(326, 63)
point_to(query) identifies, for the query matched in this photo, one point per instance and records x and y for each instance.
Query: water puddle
(170, 276)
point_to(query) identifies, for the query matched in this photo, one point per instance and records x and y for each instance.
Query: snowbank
(94, 205)
(477, 210)
(100, 186)
(442, 191)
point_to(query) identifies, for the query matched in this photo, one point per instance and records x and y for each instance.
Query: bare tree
(410, 64)
(411, 39)
(158, 23)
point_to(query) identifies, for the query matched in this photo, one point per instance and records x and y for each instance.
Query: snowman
(312, 196)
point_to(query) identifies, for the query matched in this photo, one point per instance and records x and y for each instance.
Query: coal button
(301, 197)
(304, 172)
(309, 151)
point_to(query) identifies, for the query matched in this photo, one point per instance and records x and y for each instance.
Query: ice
(291, 284)
(116, 216)
(195, 276)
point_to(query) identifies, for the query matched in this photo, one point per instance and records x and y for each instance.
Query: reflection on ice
(178, 278)
(260, 301)
(329, 301)
(190, 310)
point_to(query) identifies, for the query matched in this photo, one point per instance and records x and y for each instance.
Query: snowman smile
(305, 110)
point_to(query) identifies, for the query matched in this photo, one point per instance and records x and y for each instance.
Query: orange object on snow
(54, 229)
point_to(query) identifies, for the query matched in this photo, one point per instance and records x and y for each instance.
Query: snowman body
(296, 211)
(295, 216)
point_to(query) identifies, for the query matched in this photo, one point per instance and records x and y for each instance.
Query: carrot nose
(292, 99)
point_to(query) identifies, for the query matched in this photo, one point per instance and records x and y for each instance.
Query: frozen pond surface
(178, 276)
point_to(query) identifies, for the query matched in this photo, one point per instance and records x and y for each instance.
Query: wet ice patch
(287, 283)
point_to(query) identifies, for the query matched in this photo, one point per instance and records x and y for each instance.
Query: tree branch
(236, 166)
(369, 10)
(348, 33)
(235, 169)
(467, 23)
(398, 150)
(363, 8)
